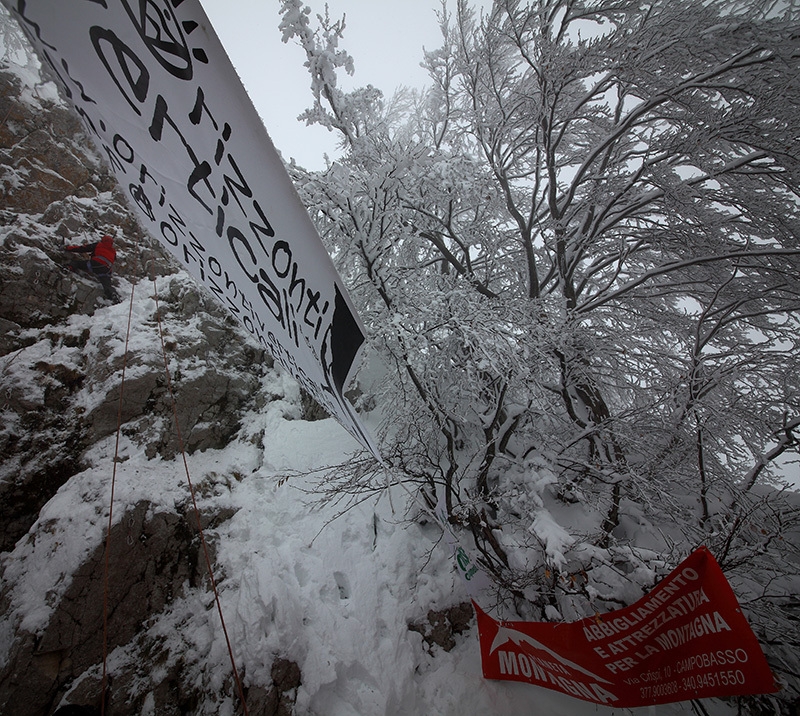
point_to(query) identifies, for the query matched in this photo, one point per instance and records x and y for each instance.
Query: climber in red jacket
(101, 259)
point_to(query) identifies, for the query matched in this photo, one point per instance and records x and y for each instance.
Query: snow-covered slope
(334, 594)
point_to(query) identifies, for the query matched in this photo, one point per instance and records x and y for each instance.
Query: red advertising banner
(686, 639)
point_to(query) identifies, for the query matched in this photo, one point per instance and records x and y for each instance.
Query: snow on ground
(336, 595)
(332, 589)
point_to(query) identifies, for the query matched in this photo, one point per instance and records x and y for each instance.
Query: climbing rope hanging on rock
(105, 678)
(206, 553)
(106, 557)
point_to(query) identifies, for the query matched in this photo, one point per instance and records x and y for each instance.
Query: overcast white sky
(385, 38)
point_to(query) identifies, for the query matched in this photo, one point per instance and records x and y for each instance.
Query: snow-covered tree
(577, 253)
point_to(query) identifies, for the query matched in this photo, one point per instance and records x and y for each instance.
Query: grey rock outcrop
(159, 554)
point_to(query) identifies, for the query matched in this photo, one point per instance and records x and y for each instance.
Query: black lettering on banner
(229, 283)
(214, 173)
(195, 251)
(113, 160)
(139, 193)
(201, 170)
(189, 257)
(243, 187)
(271, 297)
(230, 189)
(215, 266)
(236, 237)
(295, 282)
(122, 152)
(145, 174)
(313, 305)
(220, 227)
(266, 229)
(175, 225)
(235, 185)
(196, 116)
(134, 71)
(83, 96)
(120, 140)
(216, 289)
(196, 245)
(139, 196)
(232, 307)
(282, 247)
(161, 33)
(290, 325)
(313, 301)
(249, 308)
(177, 220)
(167, 228)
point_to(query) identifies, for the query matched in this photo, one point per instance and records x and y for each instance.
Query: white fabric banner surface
(159, 97)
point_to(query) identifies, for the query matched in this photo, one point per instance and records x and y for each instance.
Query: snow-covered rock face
(63, 350)
(63, 346)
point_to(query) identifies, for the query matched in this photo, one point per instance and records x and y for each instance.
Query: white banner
(160, 99)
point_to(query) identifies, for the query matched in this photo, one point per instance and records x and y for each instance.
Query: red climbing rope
(196, 509)
(104, 681)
